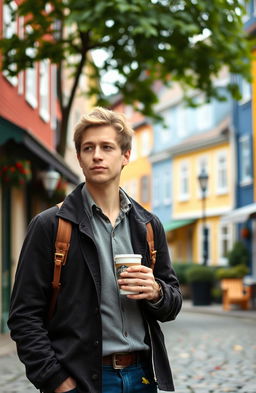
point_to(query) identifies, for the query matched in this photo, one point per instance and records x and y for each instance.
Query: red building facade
(28, 138)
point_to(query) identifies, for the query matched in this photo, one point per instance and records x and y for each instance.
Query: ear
(126, 157)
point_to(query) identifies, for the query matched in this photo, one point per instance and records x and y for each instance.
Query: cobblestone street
(208, 353)
(212, 354)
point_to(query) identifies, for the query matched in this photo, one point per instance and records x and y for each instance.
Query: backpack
(62, 244)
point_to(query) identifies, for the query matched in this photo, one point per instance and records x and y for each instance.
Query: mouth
(98, 168)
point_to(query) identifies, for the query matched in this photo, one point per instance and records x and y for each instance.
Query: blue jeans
(132, 379)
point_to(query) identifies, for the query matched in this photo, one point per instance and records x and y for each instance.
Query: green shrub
(180, 270)
(238, 271)
(199, 273)
(239, 255)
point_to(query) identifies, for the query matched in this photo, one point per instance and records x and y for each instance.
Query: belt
(122, 359)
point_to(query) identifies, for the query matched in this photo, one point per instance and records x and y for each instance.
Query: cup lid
(128, 256)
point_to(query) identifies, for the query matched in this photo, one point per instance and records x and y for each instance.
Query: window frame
(219, 188)
(184, 196)
(244, 181)
(44, 87)
(227, 237)
(145, 189)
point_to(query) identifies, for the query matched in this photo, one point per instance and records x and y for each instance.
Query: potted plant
(238, 271)
(15, 172)
(238, 255)
(201, 280)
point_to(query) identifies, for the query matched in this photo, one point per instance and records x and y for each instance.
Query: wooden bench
(234, 292)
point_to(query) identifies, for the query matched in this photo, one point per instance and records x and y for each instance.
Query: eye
(107, 147)
(87, 148)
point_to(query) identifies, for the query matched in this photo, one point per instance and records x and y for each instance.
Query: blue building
(245, 207)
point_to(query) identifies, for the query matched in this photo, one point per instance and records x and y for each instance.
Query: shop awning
(240, 215)
(175, 224)
(10, 131)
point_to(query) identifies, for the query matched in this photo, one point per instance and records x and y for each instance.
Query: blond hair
(104, 117)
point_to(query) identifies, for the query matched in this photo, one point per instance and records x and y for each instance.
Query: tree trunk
(63, 132)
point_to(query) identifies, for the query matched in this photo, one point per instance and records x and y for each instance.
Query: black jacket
(70, 343)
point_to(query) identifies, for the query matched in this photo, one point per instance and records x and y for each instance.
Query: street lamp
(50, 180)
(203, 181)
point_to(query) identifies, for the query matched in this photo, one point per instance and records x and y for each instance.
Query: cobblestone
(212, 354)
(208, 354)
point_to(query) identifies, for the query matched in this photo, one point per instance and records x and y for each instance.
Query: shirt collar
(90, 205)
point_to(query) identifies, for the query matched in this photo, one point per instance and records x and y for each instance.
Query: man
(97, 340)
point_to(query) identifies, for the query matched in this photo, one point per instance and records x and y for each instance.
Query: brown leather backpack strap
(62, 244)
(151, 244)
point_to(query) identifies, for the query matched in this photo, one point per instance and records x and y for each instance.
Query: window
(205, 251)
(167, 188)
(31, 77)
(44, 90)
(21, 73)
(245, 88)
(204, 117)
(53, 100)
(156, 191)
(245, 162)
(145, 143)
(225, 238)
(145, 189)
(133, 186)
(222, 178)
(9, 29)
(134, 154)
(184, 181)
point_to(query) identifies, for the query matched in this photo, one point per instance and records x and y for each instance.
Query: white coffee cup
(122, 262)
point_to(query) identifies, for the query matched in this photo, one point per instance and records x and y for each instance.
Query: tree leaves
(191, 40)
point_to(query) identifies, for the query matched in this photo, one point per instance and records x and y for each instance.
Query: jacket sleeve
(29, 307)
(168, 308)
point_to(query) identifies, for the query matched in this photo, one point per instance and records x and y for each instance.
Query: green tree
(146, 40)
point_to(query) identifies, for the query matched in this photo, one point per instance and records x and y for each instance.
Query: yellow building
(211, 152)
(136, 177)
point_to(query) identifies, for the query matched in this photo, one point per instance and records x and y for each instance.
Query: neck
(107, 198)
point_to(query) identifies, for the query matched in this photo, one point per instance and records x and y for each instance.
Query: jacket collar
(73, 209)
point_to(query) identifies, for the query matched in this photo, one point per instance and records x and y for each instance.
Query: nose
(97, 153)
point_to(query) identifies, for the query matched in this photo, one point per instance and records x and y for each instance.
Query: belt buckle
(114, 362)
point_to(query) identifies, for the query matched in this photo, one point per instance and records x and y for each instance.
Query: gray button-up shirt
(122, 325)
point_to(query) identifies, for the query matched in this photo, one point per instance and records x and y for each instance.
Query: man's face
(100, 157)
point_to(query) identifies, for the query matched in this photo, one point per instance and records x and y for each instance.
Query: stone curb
(214, 310)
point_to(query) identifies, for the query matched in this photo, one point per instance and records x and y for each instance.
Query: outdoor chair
(234, 292)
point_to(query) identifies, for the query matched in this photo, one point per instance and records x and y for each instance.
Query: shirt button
(126, 334)
(95, 377)
(96, 343)
(96, 310)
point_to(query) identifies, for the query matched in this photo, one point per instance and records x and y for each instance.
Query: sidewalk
(216, 309)
(8, 346)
